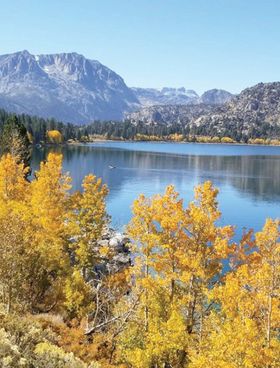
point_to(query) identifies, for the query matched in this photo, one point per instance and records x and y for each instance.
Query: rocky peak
(18, 65)
(216, 97)
(259, 97)
(165, 96)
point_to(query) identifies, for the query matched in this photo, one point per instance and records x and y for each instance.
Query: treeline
(156, 131)
(130, 130)
(38, 129)
(174, 306)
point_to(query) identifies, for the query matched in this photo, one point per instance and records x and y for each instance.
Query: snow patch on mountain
(65, 86)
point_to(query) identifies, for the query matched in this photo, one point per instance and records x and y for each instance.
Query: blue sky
(199, 44)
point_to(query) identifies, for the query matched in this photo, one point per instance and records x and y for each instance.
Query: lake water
(248, 177)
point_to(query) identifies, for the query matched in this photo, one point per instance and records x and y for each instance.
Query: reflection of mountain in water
(254, 176)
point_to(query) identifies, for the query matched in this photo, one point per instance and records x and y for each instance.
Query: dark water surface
(248, 177)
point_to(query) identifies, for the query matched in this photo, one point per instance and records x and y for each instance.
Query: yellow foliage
(144, 137)
(51, 356)
(258, 141)
(12, 179)
(89, 219)
(174, 308)
(173, 275)
(54, 136)
(245, 332)
(176, 137)
(78, 295)
(35, 219)
(274, 142)
(227, 140)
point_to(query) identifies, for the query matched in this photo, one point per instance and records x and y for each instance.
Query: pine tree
(14, 140)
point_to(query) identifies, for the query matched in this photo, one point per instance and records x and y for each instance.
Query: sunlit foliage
(177, 306)
(54, 136)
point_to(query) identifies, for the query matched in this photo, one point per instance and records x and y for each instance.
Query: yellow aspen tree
(14, 190)
(38, 266)
(85, 226)
(88, 221)
(244, 331)
(54, 137)
(180, 258)
(49, 206)
(13, 186)
(78, 295)
(266, 278)
(46, 232)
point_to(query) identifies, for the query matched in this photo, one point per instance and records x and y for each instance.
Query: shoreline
(167, 141)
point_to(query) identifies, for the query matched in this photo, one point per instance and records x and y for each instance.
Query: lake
(248, 177)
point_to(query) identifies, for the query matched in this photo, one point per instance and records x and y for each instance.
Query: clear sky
(199, 44)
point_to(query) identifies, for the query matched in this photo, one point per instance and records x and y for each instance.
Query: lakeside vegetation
(50, 131)
(192, 296)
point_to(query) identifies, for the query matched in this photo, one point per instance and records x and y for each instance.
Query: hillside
(255, 112)
(170, 114)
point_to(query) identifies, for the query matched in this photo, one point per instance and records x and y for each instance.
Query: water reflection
(249, 183)
(258, 176)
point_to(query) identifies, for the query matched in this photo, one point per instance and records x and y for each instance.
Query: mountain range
(71, 88)
(180, 96)
(255, 112)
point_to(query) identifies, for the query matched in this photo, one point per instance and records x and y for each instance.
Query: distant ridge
(180, 96)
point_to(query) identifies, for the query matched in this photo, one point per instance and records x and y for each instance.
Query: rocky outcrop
(216, 97)
(119, 255)
(254, 112)
(170, 114)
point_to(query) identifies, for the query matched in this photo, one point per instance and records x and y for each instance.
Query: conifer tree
(14, 140)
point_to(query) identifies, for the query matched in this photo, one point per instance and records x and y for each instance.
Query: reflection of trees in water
(256, 176)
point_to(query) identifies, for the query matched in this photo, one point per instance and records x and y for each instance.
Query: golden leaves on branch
(37, 218)
(191, 314)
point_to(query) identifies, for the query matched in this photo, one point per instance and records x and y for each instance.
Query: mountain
(216, 97)
(171, 114)
(65, 86)
(180, 96)
(165, 96)
(71, 88)
(255, 112)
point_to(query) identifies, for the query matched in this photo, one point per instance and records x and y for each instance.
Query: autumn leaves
(46, 237)
(175, 307)
(191, 314)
